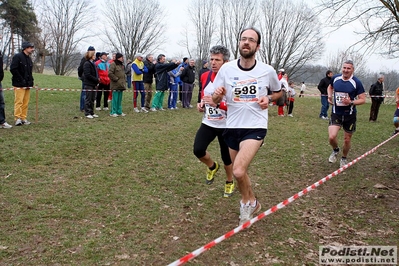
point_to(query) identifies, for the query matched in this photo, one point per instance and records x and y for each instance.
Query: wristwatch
(351, 103)
(270, 98)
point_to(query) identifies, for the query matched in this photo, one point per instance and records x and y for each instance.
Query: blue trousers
(129, 82)
(82, 98)
(324, 106)
(172, 99)
(138, 87)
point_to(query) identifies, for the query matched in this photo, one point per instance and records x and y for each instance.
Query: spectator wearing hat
(139, 69)
(102, 67)
(118, 84)
(280, 73)
(90, 82)
(22, 80)
(3, 123)
(283, 77)
(203, 70)
(80, 75)
(282, 101)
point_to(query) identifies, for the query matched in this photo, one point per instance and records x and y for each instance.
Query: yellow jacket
(137, 67)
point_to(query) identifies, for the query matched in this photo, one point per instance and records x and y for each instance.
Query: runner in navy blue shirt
(344, 93)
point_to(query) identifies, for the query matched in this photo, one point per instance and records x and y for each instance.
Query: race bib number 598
(246, 91)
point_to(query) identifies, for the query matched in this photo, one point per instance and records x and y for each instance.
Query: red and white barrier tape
(79, 90)
(130, 90)
(375, 96)
(273, 209)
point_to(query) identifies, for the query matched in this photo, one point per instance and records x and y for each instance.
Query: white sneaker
(324, 118)
(161, 109)
(89, 116)
(136, 110)
(105, 109)
(333, 157)
(18, 122)
(114, 115)
(144, 110)
(190, 106)
(98, 108)
(95, 116)
(176, 108)
(123, 114)
(247, 212)
(153, 109)
(343, 162)
(5, 125)
(290, 115)
(26, 122)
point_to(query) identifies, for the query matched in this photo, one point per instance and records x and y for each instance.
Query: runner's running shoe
(210, 174)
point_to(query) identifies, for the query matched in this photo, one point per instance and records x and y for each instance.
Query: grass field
(129, 191)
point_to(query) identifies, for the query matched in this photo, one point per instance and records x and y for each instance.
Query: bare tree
(202, 15)
(291, 35)
(234, 17)
(5, 43)
(134, 26)
(66, 21)
(335, 62)
(187, 41)
(380, 20)
(391, 80)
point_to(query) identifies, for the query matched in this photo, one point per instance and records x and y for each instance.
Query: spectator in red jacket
(102, 66)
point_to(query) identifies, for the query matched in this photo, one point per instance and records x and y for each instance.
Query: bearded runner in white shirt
(244, 83)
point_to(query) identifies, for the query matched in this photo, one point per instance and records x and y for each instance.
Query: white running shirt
(244, 87)
(213, 117)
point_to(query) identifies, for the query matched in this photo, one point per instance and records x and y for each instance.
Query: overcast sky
(177, 18)
(339, 40)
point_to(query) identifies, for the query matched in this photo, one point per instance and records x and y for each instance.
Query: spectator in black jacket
(3, 123)
(90, 82)
(376, 94)
(148, 78)
(188, 78)
(80, 75)
(323, 85)
(22, 80)
(161, 81)
(203, 70)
